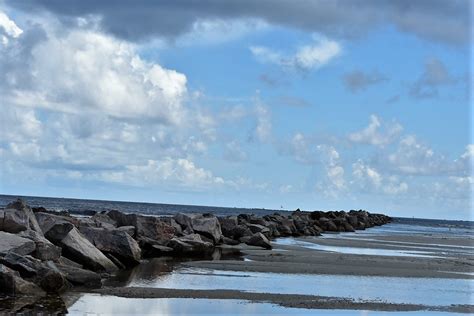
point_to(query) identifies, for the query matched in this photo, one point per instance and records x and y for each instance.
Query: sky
(318, 105)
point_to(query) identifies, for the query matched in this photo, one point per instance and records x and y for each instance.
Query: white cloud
(367, 178)
(88, 71)
(377, 134)
(8, 29)
(263, 128)
(333, 181)
(306, 57)
(234, 152)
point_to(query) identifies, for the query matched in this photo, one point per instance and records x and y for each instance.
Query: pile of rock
(47, 252)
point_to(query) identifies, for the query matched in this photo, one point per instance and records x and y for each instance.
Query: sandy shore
(286, 300)
(455, 261)
(447, 263)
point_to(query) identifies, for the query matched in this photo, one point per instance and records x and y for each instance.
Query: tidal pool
(426, 291)
(355, 250)
(112, 305)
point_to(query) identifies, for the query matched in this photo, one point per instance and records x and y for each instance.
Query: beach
(405, 266)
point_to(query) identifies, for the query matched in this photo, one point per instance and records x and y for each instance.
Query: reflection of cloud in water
(426, 291)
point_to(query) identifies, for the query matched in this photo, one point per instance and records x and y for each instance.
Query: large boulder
(13, 243)
(257, 228)
(153, 228)
(227, 225)
(259, 239)
(11, 283)
(190, 244)
(54, 227)
(79, 276)
(115, 242)
(206, 225)
(44, 274)
(17, 217)
(45, 250)
(103, 220)
(77, 248)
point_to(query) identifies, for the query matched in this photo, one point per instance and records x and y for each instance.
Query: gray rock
(190, 244)
(44, 274)
(227, 225)
(128, 229)
(78, 276)
(12, 284)
(18, 217)
(67, 262)
(115, 242)
(259, 240)
(13, 243)
(230, 241)
(204, 224)
(256, 228)
(54, 227)
(77, 248)
(208, 226)
(103, 220)
(45, 250)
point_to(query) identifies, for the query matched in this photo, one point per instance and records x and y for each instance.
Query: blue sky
(287, 104)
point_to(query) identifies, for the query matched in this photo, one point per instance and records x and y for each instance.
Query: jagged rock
(128, 229)
(115, 242)
(13, 243)
(256, 228)
(78, 276)
(54, 227)
(12, 284)
(77, 248)
(230, 241)
(206, 225)
(190, 244)
(121, 219)
(258, 239)
(17, 217)
(44, 274)
(103, 220)
(227, 225)
(67, 262)
(45, 250)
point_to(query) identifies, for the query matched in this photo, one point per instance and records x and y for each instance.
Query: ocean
(79, 206)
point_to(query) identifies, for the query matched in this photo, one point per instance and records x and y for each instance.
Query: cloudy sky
(309, 104)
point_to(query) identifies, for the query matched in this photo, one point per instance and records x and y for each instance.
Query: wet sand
(452, 259)
(285, 300)
(448, 262)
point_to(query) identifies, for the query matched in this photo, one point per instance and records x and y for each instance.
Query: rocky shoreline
(44, 252)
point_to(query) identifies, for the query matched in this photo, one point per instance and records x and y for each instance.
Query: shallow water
(97, 304)
(426, 291)
(354, 250)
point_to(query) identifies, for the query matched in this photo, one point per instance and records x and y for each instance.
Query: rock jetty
(44, 252)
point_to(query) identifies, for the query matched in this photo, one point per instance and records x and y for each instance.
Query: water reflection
(425, 291)
(157, 268)
(111, 305)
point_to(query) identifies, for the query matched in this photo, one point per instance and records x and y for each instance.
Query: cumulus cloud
(377, 133)
(306, 57)
(234, 152)
(147, 19)
(367, 178)
(88, 71)
(333, 180)
(357, 80)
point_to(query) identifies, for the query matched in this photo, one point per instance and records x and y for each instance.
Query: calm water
(75, 205)
(111, 305)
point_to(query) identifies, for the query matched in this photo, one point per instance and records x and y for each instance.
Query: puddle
(353, 250)
(424, 291)
(156, 268)
(111, 305)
